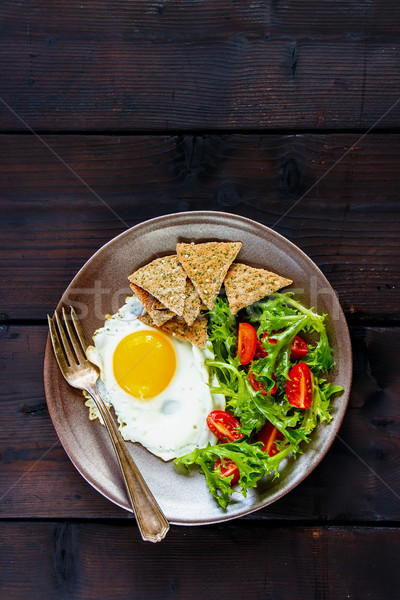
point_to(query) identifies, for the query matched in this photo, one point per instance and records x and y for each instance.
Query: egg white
(172, 423)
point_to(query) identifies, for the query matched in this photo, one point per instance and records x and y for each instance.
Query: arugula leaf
(320, 357)
(222, 331)
(283, 312)
(320, 408)
(233, 384)
(251, 461)
(279, 415)
(277, 362)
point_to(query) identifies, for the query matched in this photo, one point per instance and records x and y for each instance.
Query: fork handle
(152, 523)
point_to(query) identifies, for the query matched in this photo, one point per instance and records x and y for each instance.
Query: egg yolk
(144, 363)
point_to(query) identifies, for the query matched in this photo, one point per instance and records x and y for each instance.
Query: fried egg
(158, 384)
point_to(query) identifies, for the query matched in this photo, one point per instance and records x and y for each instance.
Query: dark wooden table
(285, 112)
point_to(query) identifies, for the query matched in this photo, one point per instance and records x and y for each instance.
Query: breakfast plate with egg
(150, 343)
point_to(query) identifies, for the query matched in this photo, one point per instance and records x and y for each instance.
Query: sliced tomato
(298, 387)
(299, 348)
(247, 342)
(260, 350)
(258, 386)
(228, 468)
(224, 426)
(268, 436)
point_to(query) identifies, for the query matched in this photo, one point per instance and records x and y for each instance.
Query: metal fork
(70, 344)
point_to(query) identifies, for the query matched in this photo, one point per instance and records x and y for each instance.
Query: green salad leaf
(251, 461)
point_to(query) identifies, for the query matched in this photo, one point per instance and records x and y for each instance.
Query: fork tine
(79, 330)
(65, 342)
(72, 338)
(57, 346)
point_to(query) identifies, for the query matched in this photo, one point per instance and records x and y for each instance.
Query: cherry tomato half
(260, 350)
(268, 435)
(299, 386)
(258, 386)
(228, 468)
(299, 348)
(224, 426)
(247, 341)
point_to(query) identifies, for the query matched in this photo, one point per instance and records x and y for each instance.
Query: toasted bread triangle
(207, 264)
(165, 279)
(245, 285)
(192, 303)
(195, 333)
(157, 311)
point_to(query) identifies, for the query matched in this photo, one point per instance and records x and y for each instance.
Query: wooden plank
(127, 66)
(357, 481)
(51, 222)
(77, 560)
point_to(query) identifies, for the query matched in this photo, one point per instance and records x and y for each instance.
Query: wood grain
(289, 562)
(56, 212)
(126, 66)
(357, 481)
(254, 108)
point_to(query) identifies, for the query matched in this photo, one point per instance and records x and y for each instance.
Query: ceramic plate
(101, 286)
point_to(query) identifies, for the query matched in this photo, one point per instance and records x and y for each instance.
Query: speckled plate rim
(53, 380)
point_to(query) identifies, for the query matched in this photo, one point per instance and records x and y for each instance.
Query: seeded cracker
(165, 279)
(192, 303)
(245, 285)
(157, 311)
(206, 265)
(157, 305)
(196, 333)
